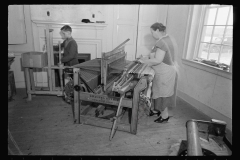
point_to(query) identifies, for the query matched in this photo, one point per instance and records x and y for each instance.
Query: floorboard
(44, 126)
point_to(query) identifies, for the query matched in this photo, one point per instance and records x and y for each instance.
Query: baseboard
(211, 113)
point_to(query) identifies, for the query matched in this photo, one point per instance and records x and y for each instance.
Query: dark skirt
(162, 102)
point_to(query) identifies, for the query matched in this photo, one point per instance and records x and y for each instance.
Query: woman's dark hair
(158, 26)
(66, 28)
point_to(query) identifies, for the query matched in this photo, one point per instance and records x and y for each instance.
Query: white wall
(21, 48)
(68, 13)
(209, 93)
(109, 21)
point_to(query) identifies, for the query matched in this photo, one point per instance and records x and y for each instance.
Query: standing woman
(163, 59)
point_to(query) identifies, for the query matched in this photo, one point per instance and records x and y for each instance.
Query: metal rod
(194, 148)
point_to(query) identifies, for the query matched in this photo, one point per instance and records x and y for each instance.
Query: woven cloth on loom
(91, 78)
(119, 65)
(93, 65)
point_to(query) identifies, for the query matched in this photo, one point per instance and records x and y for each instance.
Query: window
(209, 38)
(217, 35)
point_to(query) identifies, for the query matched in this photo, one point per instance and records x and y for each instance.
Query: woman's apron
(165, 85)
(163, 81)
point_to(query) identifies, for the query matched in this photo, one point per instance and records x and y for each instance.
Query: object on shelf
(100, 21)
(34, 59)
(210, 62)
(197, 59)
(86, 21)
(223, 66)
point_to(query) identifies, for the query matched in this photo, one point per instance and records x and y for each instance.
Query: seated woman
(163, 59)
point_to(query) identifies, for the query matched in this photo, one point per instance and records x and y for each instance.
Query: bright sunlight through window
(217, 35)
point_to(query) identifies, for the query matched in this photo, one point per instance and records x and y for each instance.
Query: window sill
(207, 68)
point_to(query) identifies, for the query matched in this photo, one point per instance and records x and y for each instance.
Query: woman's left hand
(141, 60)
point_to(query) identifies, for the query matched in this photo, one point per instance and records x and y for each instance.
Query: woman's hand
(139, 57)
(155, 60)
(141, 60)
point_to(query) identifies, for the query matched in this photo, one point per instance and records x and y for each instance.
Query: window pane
(218, 34)
(228, 36)
(203, 50)
(230, 20)
(226, 55)
(206, 33)
(210, 16)
(222, 16)
(214, 52)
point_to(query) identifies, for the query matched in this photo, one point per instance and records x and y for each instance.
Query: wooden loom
(51, 89)
(105, 92)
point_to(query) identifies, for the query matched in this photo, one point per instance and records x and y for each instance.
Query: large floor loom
(114, 83)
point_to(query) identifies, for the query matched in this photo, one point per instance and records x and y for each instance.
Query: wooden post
(49, 59)
(102, 78)
(105, 69)
(142, 84)
(32, 79)
(116, 119)
(60, 65)
(194, 148)
(76, 95)
(52, 58)
(29, 96)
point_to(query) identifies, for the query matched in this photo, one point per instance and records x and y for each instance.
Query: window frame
(192, 39)
(205, 7)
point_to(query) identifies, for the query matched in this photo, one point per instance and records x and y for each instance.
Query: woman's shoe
(161, 120)
(151, 113)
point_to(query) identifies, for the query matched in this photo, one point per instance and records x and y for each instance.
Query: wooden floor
(44, 126)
